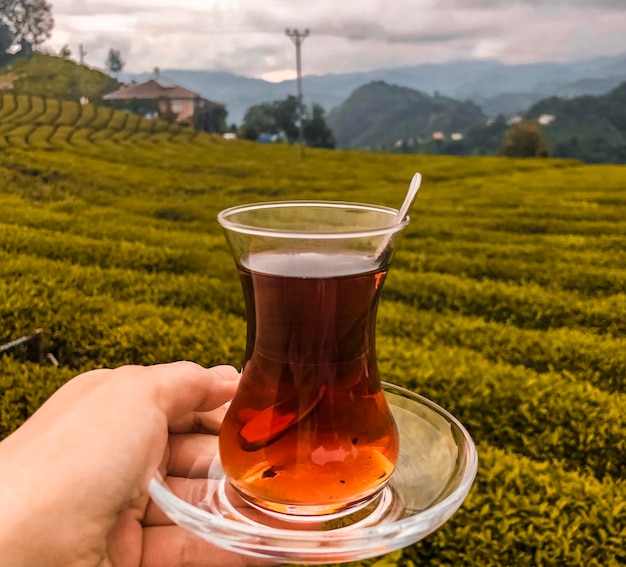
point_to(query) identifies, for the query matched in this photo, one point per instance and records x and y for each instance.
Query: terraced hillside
(39, 122)
(506, 303)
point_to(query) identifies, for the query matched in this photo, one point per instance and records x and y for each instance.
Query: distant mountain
(592, 86)
(507, 104)
(388, 117)
(495, 86)
(517, 103)
(379, 115)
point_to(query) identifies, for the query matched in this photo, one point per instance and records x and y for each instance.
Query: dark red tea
(309, 430)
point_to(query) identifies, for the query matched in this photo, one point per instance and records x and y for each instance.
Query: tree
(524, 139)
(286, 114)
(316, 133)
(30, 21)
(6, 38)
(114, 63)
(5, 8)
(258, 119)
(281, 118)
(6, 41)
(65, 52)
(210, 118)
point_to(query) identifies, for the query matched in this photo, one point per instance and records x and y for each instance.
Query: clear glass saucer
(434, 474)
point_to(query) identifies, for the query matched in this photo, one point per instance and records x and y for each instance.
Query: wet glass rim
(242, 228)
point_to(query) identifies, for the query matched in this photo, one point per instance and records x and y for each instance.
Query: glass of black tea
(309, 431)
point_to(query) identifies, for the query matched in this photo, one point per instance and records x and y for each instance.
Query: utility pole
(297, 38)
(82, 53)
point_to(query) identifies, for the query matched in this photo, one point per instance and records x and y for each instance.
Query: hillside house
(545, 119)
(160, 98)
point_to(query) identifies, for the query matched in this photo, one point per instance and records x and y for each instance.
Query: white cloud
(247, 36)
(488, 49)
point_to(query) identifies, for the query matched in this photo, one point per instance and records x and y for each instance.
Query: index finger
(183, 387)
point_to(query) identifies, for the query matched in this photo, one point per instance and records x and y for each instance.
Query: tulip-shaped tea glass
(309, 431)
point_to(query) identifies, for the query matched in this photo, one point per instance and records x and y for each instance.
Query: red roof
(151, 90)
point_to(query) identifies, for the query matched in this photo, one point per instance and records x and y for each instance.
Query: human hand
(74, 478)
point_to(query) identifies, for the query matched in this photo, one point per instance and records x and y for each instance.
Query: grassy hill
(55, 77)
(505, 305)
(42, 122)
(377, 115)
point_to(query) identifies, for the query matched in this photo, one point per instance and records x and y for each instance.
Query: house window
(176, 106)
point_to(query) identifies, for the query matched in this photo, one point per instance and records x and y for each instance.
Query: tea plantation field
(506, 303)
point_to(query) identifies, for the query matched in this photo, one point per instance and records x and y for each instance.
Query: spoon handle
(410, 197)
(402, 212)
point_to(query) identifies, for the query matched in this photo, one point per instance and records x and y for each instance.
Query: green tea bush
(86, 116)
(36, 110)
(532, 514)
(61, 136)
(70, 112)
(526, 306)
(8, 104)
(53, 111)
(19, 136)
(23, 388)
(556, 268)
(82, 329)
(545, 416)
(103, 116)
(118, 120)
(108, 252)
(40, 137)
(81, 137)
(132, 122)
(23, 106)
(577, 354)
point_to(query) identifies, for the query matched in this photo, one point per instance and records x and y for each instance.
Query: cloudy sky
(247, 37)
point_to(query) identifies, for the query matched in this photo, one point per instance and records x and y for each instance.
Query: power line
(297, 38)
